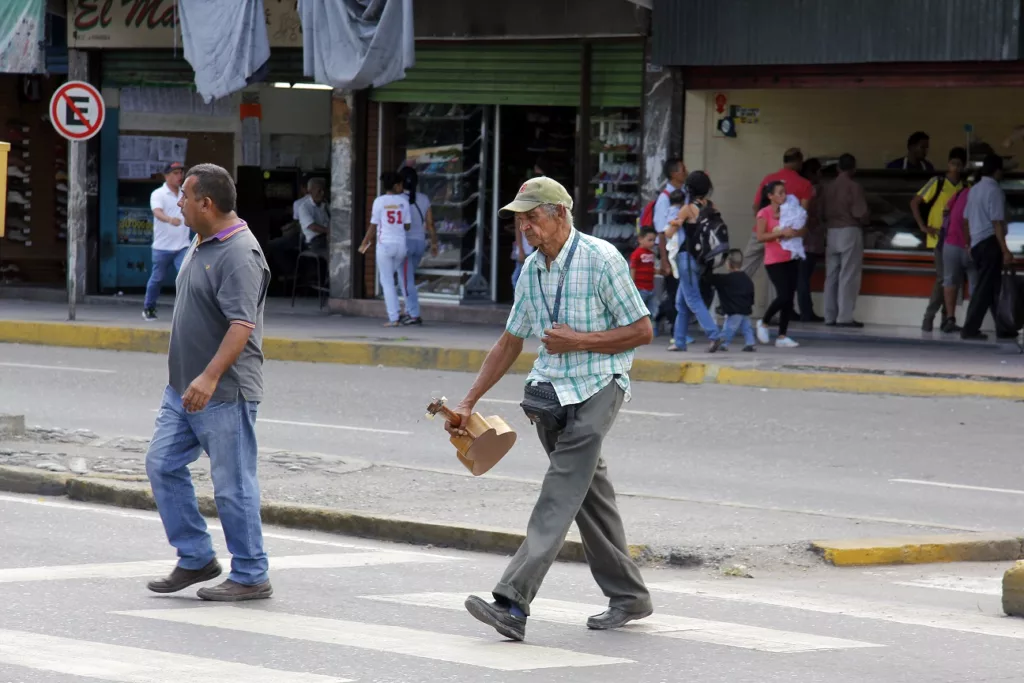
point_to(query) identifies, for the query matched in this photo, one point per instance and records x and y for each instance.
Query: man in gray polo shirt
(985, 222)
(216, 383)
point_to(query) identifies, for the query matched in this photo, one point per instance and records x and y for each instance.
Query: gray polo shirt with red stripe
(222, 282)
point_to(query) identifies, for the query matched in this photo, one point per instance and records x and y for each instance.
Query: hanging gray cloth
(355, 44)
(225, 42)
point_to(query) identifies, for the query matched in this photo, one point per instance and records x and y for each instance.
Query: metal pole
(78, 69)
(495, 203)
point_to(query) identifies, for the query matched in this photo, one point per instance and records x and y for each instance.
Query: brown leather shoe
(229, 591)
(183, 578)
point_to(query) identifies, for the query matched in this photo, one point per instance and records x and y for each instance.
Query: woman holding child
(781, 227)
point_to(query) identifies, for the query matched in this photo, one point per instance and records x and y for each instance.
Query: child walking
(641, 267)
(736, 296)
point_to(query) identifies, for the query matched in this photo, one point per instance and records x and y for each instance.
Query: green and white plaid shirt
(598, 295)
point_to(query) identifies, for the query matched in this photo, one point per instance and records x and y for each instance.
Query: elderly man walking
(576, 295)
(216, 383)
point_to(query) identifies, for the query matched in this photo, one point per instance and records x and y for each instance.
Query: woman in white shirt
(390, 218)
(415, 244)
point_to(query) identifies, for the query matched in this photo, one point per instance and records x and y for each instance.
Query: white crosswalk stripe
(127, 570)
(485, 653)
(979, 585)
(120, 664)
(682, 628)
(850, 606)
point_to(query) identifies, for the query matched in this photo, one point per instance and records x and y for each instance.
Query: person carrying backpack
(929, 209)
(701, 244)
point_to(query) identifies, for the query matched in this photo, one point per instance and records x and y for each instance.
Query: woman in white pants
(415, 243)
(391, 219)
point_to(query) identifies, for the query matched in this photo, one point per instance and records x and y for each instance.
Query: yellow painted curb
(470, 360)
(921, 549)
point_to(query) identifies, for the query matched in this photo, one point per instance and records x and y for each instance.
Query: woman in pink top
(956, 257)
(783, 270)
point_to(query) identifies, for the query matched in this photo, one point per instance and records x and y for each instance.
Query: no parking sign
(77, 111)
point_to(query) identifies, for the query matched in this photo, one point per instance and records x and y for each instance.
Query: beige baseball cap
(537, 191)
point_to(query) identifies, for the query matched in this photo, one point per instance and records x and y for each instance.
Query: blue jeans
(689, 300)
(161, 259)
(226, 431)
(649, 300)
(414, 251)
(738, 323)
(515, 273)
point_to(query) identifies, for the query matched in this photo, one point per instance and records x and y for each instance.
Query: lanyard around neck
(561, 282)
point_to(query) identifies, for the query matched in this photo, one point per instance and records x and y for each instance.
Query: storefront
(33, 249)
(844, 101)
(271, 135)
(475, 119)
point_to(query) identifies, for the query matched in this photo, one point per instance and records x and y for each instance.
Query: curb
(921, 549)
(470, 360)
(290, 515)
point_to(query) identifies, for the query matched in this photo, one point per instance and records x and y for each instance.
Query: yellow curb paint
(870, 384)
(920, 549)
(470, 360)
(1013, 591)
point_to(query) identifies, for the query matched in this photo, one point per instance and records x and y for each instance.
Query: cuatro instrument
(488, 440)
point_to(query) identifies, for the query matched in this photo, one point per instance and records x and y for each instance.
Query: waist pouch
(540, 403)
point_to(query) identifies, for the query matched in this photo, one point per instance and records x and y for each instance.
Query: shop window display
(446, 146)
(613, 203)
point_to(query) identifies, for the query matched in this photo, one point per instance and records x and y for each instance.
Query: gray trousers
(937, 301)
(844, 263)
(576, 486)
(753, 266)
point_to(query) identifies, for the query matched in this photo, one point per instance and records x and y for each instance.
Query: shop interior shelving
(447, 147)
(614, 195)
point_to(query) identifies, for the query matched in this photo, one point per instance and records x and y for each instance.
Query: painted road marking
(486, 653)
(981, 585)
(681, 628)
(33, 366)
(211, 524)
(133, 665)
(964, 487)
(647, 413)
(126, 570)
(321, 425)
(895, 612)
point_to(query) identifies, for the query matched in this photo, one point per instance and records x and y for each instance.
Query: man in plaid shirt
(575, 293)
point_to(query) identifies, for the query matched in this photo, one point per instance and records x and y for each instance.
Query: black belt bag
(540, 403)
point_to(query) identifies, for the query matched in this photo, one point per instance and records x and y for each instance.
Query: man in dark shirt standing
(216, 384)
(917, 154)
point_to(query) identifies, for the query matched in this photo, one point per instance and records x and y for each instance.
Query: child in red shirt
(641, 267)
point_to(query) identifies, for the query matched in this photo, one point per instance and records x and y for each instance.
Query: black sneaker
(949, 326)
(498, 617)
(928, 324)
(750, 349)
(149, 314)
(411, 321)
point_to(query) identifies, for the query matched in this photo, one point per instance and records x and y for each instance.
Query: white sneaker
(762, 333)
(785, 343)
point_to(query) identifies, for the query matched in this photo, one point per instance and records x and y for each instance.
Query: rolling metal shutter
(536, 73)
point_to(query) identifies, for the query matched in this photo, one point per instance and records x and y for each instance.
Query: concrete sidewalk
(305, 334)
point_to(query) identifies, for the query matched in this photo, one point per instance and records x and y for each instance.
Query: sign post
(77, 113)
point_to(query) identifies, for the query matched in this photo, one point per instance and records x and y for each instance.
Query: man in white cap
(575, 293)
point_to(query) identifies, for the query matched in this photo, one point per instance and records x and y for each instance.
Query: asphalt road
(75, 610)
(804, 463)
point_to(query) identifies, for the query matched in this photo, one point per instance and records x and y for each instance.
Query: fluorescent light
(282, 85)
(312, 86)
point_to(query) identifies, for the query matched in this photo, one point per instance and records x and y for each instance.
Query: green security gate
(536, 73)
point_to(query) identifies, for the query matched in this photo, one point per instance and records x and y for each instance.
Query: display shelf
(444, 143)
(613, 201)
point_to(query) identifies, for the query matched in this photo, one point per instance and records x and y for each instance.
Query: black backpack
(708, 238)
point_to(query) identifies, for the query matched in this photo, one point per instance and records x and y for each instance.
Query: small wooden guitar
(488, 440)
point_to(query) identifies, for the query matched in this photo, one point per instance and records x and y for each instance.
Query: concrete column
(78, 70)
(342, 194)
(663, 113)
